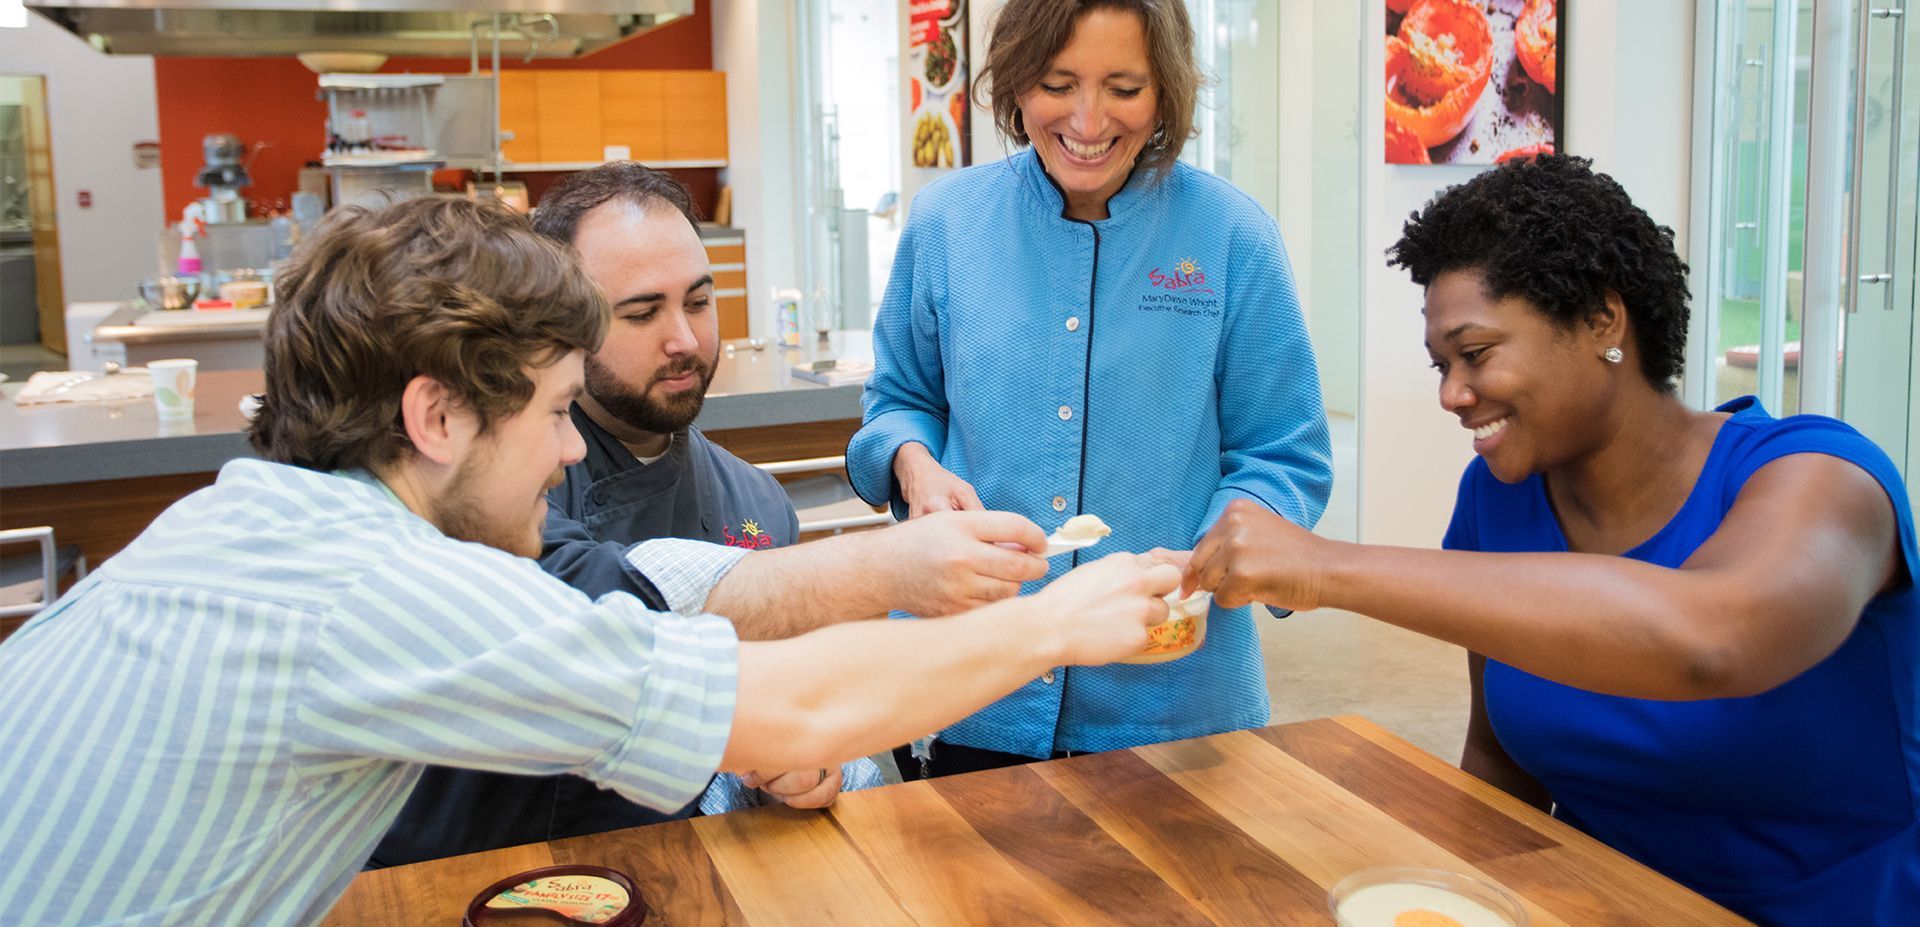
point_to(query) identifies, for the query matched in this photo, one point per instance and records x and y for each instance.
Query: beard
(459, 514)
(638, 408)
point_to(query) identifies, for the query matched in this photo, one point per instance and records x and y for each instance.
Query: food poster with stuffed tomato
(1473, 81)
(938, 112)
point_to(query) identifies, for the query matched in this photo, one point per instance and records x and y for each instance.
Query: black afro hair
(1554, 232)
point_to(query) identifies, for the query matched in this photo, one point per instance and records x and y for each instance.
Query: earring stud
(1614, 355)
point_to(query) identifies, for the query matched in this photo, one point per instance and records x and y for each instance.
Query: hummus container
(1407, 896)
(561, 896)
(1183, 632)
(244, 294)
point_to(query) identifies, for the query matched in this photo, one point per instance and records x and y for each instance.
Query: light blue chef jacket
(1148, 368)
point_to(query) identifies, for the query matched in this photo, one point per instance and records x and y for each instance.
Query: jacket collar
(1034, 179)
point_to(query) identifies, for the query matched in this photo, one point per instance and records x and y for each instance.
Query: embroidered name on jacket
(1185, 290)
(1186, 276)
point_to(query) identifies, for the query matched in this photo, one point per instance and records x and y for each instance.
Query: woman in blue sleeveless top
(1693, 634)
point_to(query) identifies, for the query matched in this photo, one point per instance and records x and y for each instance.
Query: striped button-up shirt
(216, 726)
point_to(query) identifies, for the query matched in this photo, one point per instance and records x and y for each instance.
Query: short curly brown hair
(466, 293)
(1028, 34)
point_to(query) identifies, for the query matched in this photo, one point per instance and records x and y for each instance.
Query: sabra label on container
(584, 898)
(1173, 634)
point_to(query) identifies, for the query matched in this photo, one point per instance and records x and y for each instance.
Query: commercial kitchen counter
(100, 471)
(227, 339)
(231, 339)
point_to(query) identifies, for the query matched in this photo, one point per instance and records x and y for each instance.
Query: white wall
(98, 106)
(1629, 73)
(753, 43)
(987, 144)
(1333, 264)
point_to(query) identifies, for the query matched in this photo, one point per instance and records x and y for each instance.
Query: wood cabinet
(519, 116)
(633, 112)
(697, 108)
(664, 118)
(567, 115)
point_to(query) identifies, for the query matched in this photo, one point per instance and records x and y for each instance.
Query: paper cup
(173, 386)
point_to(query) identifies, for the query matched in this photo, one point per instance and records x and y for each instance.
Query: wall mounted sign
(938, 112)
(1473, 81)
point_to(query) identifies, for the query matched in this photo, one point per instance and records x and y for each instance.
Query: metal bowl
(170, 292)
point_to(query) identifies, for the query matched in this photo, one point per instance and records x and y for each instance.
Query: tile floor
(1332, 662)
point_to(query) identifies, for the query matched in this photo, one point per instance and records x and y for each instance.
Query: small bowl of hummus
(1408, 896)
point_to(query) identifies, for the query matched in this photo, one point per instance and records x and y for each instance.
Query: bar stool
(30, 582)
(825, 503)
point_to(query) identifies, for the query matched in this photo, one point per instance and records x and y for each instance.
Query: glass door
(850, 93)
(1876, 359)
(1282, 123)
(1804, 259)
(1748, 285)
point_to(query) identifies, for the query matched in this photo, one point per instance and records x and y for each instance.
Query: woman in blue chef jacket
(1090, 326)
(1692, 634)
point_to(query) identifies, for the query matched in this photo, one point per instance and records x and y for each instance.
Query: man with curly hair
(1694, 635)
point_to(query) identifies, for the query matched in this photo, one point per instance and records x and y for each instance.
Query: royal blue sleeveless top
(1794, 806)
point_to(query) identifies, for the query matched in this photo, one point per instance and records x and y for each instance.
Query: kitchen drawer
(732, 306)
(786, 442)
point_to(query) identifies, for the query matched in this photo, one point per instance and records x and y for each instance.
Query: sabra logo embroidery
(1187, 277)
(750, 537)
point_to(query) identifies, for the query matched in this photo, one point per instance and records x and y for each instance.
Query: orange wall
(275, 100)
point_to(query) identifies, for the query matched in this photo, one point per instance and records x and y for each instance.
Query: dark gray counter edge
(782, 407)
(21, 468)
(25, 467)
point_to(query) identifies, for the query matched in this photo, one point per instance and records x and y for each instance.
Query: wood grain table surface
(1250, 827)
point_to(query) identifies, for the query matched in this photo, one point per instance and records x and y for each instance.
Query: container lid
(559, 895)
(1405, 896)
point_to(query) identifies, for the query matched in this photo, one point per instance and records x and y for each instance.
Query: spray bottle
(193, 224)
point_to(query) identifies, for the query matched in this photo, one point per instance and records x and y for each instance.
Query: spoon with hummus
(1079, 531)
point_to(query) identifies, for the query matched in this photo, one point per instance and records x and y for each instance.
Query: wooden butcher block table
(1250, 827)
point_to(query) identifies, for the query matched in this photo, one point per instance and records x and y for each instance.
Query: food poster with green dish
(938, 112)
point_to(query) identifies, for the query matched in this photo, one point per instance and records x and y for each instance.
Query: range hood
(438, 28)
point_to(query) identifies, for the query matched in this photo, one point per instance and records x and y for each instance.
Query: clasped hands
(799, 788)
